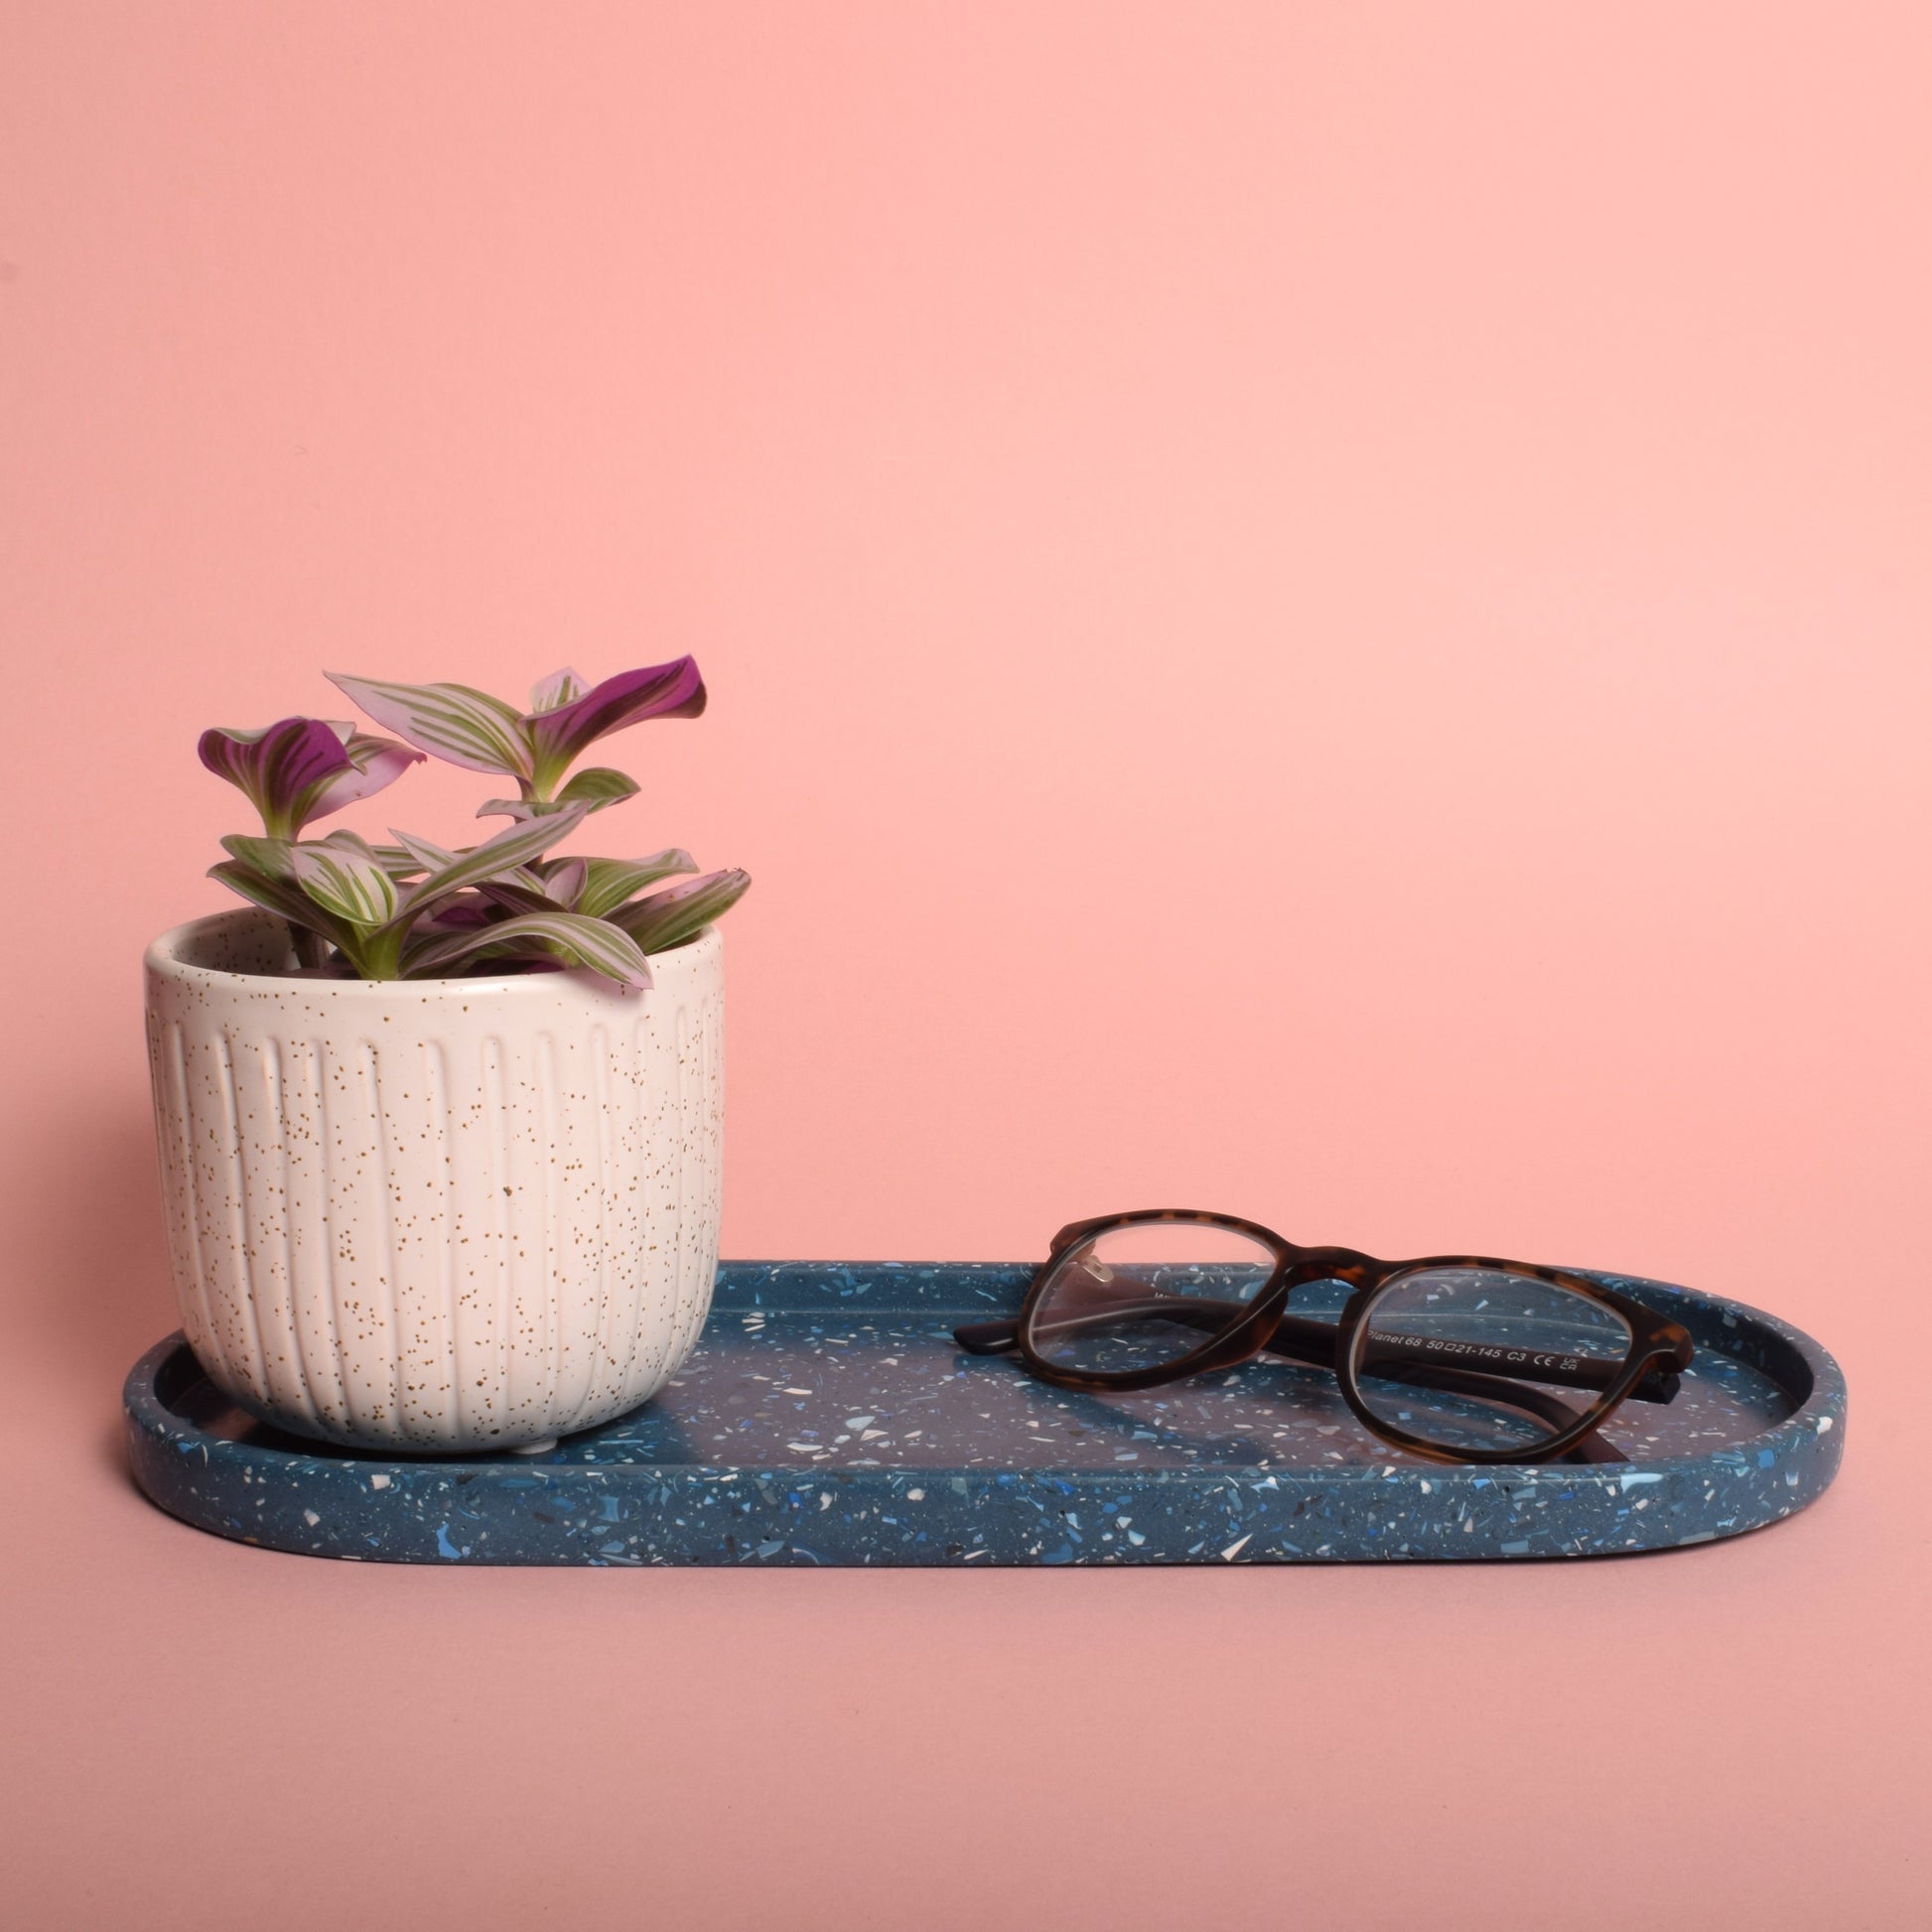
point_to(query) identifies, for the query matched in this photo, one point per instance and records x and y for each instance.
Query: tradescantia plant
(418, 911)
(536, 746)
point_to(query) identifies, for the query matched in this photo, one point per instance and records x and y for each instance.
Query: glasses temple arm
(988, 1338)
(1313, 1344)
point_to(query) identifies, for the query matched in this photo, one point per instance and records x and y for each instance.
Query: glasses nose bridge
(1327, 1264)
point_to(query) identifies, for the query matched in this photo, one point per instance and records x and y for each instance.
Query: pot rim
(162, 958)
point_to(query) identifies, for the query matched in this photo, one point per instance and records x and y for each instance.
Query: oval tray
(827, 1418)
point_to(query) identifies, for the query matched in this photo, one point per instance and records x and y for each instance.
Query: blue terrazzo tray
(827, 1418)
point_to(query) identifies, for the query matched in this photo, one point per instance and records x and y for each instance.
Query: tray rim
(1809, 1440)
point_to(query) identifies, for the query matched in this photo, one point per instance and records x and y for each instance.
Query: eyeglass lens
(1473, 1358)
(1144, 1295)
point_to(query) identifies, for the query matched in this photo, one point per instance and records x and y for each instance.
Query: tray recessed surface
(827, 1416)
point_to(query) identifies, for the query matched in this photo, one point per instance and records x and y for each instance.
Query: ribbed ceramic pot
(435, 1215)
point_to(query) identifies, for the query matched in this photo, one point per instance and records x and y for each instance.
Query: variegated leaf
(397, 862)
(609, 883)
(522, 890)
(283, 898)
(598, 796)
(421, 852)
(675, 918)
(431, 857)
(375, 763)
(565, 936)
(598, 786)
(559, 688)
(269, 855)
(556, 738)
(464, 912)
(346, 883)
(562, 881)
(464, 725)
(512, 894)
(508, 850)
(281, 768)
(343, 840)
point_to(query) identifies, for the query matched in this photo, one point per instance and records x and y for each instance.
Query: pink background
(1313, 610)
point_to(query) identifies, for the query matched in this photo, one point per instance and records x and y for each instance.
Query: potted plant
(440, 1129)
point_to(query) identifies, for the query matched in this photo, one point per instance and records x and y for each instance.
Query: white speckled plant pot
(435, 1215)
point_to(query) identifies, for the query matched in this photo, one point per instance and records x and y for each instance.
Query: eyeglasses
(1457, 1358)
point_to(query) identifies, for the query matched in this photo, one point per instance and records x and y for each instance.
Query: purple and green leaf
(462, 914)
(556, 935)
(267, 856)
(464, 725)
(559, 734)
(676, 918)
(397, 863)
(609, 883)
(598, 787)
(376, 763)
(563, 882)
(350, 884)
(517, 846)
(286, 899)
(423, 856)
(303, 768)
(517, 894)
(557, 690)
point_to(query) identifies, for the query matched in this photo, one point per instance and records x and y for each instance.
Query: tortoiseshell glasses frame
(1235, 1331)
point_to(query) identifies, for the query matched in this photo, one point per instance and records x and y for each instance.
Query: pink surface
(1315, 610)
